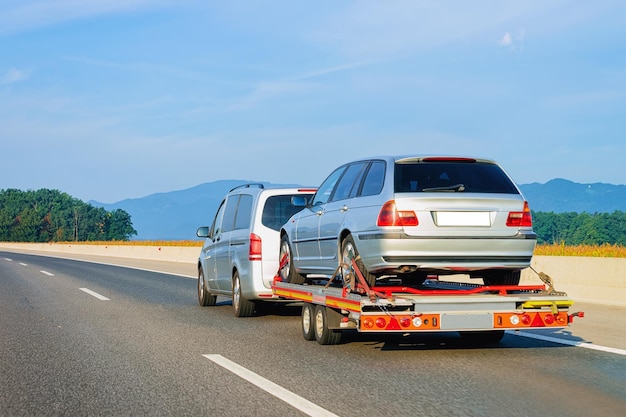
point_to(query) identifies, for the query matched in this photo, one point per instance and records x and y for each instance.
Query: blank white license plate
(463, 218)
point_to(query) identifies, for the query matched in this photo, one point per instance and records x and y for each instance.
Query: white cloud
(514, 43)
(12, 76)
(506, 40)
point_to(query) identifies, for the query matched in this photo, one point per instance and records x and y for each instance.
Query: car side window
(374, 179)
(216, 227)
(228, 223)
(325, 190)
(244, 212)
(349, 181)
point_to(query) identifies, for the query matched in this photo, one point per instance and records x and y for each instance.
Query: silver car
(408, 217)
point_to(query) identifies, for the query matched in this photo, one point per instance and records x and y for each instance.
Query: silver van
(239, 258)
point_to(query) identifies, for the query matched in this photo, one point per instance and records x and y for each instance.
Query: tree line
(572, 229)
(53, 216)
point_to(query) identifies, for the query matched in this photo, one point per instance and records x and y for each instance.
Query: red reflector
(549, 319)
(526, 319)
(405, 322)
(537, 322)
(381, 322)
(393, 324)
(254, 253)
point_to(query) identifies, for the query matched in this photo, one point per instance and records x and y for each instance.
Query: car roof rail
(251, 184)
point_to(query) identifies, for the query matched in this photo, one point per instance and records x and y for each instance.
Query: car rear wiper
(455, 188)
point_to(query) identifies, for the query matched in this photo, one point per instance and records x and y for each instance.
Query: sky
(114, 99)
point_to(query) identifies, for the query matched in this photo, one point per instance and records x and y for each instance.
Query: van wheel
(288, 271)
(205, 298)
(241, 306)
(308, 321)
(348, 253)
(323, 334)
(506, 277)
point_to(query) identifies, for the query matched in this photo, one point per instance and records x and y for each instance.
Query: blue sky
(113, 99)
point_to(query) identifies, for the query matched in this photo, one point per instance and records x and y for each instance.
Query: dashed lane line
(279, 392)
(50, 274)
(95, 294)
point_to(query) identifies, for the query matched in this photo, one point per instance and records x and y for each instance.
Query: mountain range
(176, 215)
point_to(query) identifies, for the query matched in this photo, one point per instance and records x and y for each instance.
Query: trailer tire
(348, 253)
(205, 298)
(323, 334)
(308, 321)
(483, 337)
(242, 307)
(288, 272)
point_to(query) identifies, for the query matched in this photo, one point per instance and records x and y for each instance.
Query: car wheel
(288, 271)
(308, 320)
(506, 277)
(205, 298)
(241, 306)
(348, 253)
(323, 334)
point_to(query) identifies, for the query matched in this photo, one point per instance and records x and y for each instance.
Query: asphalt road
(80, 338)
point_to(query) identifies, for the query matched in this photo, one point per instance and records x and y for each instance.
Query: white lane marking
(50, 274)
(23, 264)
(95, 294)
(569, 342)
(8, 259)
(281, 393)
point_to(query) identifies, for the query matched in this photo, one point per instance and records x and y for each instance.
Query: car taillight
(520, 218)
(390, 216)
(255, 248)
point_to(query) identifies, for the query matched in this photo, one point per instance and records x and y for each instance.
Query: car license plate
(462, 218)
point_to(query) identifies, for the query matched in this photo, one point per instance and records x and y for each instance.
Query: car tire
(242, 307)
(308, 321)
(350, 252)
(323, 334)
(288, 272)
(506, 277)
(205, 298)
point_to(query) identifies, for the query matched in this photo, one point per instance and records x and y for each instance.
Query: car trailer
(481, 313)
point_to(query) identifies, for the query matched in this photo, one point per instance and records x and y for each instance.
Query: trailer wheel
(288, 271)
(348, 253)
(308, 321)
(242, 307)
(483, 337)
(323, 334)
(205, 298)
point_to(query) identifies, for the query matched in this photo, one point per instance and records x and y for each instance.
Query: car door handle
(345, 208)
(319, 213)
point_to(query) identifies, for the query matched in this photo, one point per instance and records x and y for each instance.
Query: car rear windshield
(278, 209)
(452, 176)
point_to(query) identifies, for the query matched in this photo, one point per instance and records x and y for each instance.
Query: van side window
(228, 223)
(216, 227)
(244, 212)
(374, 179)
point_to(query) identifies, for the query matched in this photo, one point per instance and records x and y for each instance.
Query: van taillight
(255, 248)
(520, 218)
(390, 216)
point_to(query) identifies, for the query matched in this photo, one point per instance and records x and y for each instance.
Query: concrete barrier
(585, 279)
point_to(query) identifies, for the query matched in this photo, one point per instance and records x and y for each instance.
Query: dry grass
(598, 251)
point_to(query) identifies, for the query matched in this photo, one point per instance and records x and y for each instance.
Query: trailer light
(549, 319)
(514, 320)
(526, 319)
(405, 322)
(417, 322)
(561, 319)
(381, 323)
(368, 323)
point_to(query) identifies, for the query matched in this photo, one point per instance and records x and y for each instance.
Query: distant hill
(564, 196)
(176, 215)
